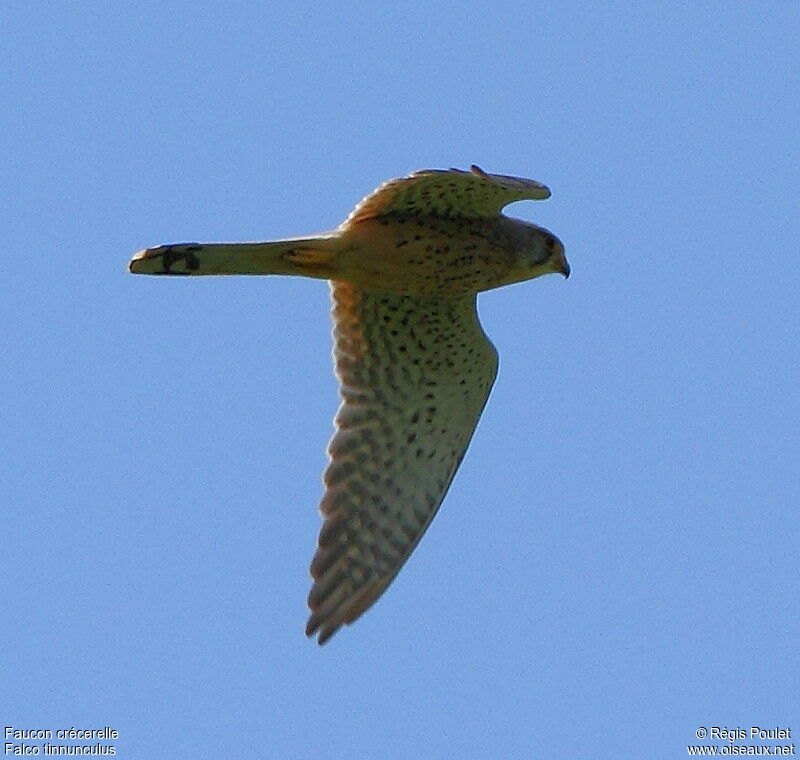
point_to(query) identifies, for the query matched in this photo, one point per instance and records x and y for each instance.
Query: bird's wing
(449, 193)
(415, 375)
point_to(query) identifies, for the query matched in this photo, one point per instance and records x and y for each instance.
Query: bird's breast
(425, 257)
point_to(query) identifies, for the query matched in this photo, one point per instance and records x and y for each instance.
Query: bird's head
(538, 252)
(556, 258)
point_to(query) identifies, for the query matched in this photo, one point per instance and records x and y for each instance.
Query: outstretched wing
(449, 193)
(415, 375)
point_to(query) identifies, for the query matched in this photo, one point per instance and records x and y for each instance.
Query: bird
(415, 367)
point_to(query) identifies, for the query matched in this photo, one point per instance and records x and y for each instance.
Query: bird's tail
(311, 256)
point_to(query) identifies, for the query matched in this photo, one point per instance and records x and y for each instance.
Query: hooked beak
(560, 263)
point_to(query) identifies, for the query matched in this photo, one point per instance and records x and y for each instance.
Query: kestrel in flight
(414, 365)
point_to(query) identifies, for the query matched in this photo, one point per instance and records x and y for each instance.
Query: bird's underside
(414, 365)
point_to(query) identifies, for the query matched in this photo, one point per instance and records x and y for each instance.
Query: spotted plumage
(414, 365)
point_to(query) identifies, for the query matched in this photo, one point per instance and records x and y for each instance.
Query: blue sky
(616, 562)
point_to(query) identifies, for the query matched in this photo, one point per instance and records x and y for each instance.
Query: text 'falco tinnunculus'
(414, 365)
